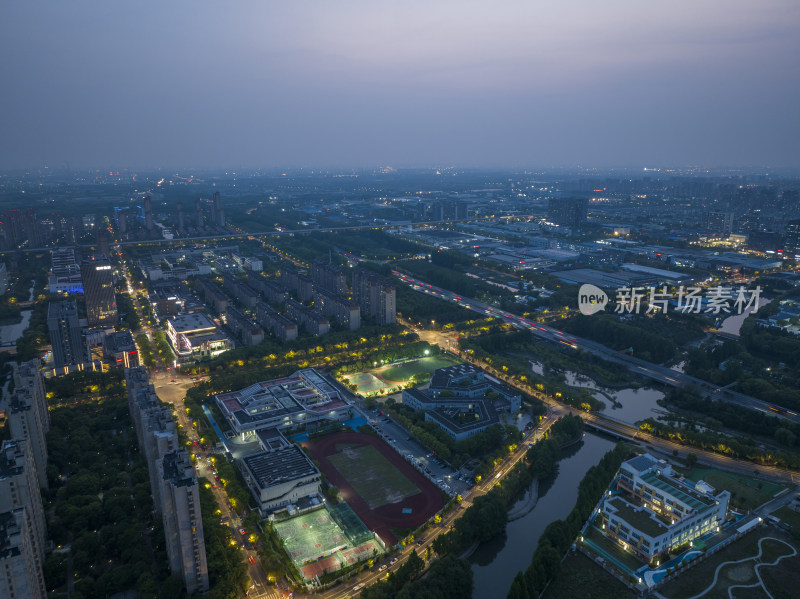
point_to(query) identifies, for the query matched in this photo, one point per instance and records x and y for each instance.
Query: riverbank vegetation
(559, 535)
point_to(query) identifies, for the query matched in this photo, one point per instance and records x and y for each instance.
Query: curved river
(495, 563)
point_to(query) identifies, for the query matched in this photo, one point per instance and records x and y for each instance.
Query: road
(425, 539)
(171, 387)
(649, 370)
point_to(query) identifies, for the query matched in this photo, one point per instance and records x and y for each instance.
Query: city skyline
(418, 85)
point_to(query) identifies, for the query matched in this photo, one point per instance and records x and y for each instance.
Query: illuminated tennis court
(367, 383)
(325, 541)
(310, 536)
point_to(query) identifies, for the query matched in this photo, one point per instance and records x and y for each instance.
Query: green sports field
(372, 476)
(310, 536)
(404, 372)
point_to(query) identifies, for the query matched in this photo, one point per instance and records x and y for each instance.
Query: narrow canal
(495, 563)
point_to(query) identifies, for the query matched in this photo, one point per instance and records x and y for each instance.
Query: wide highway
(652, 371)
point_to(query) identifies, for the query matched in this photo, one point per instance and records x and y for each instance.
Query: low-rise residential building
(119, 349)
(653, 510)
(213, 295)
(279, 475)
(241, 291)
(247, 330)
(304, 397)
(330, 303)
(275, 322)
(311, 320)
(300, 283)
(273, 292)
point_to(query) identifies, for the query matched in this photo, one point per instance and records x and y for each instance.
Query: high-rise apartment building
(28, 417)
(3, 278)
(19, 492)
(21, 574)
(148, 213)
(720, 223)
(198, 213)
(65, 274)
(791, 240)
(98, 288)
(218, 216)
(568, 212)
(327, 276)
(183, 524)
(375, 295)
(65, 334)
(172, 481)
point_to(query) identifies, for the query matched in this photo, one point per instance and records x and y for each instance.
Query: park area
(747, 492)
(764, 563)
(385, 492)
(384, 379)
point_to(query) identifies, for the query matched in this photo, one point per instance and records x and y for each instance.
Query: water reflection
(495, 563)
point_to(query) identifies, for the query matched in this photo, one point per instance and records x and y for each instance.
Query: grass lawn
(580, 578)
(404, 372)
(697, 579)
(372, 476)
(748, 492)
(792, 518)
(612, 548)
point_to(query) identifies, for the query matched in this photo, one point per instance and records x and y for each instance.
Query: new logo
(591, 299)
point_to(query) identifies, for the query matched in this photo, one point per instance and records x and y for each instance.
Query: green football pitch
(404, 372)
(372, 476)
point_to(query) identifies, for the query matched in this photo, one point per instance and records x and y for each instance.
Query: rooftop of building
(271, 468)
(62, 309)
(467, 377)
(305, 390)
(680, 491)
(178, 469)
(271, 439)
(9, 528)
(641, 463)
(658, 474)
(121, 341)
(11, 463)
(195, 322)
(638, 517)
(479, 415)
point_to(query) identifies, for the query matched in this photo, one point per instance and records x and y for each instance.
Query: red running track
(382, 519)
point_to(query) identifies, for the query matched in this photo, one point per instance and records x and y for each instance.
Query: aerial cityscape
(428, 301)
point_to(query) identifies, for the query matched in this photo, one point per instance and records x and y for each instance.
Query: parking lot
(437, 471)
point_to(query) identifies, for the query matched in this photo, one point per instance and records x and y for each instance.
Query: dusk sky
(413, 83)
